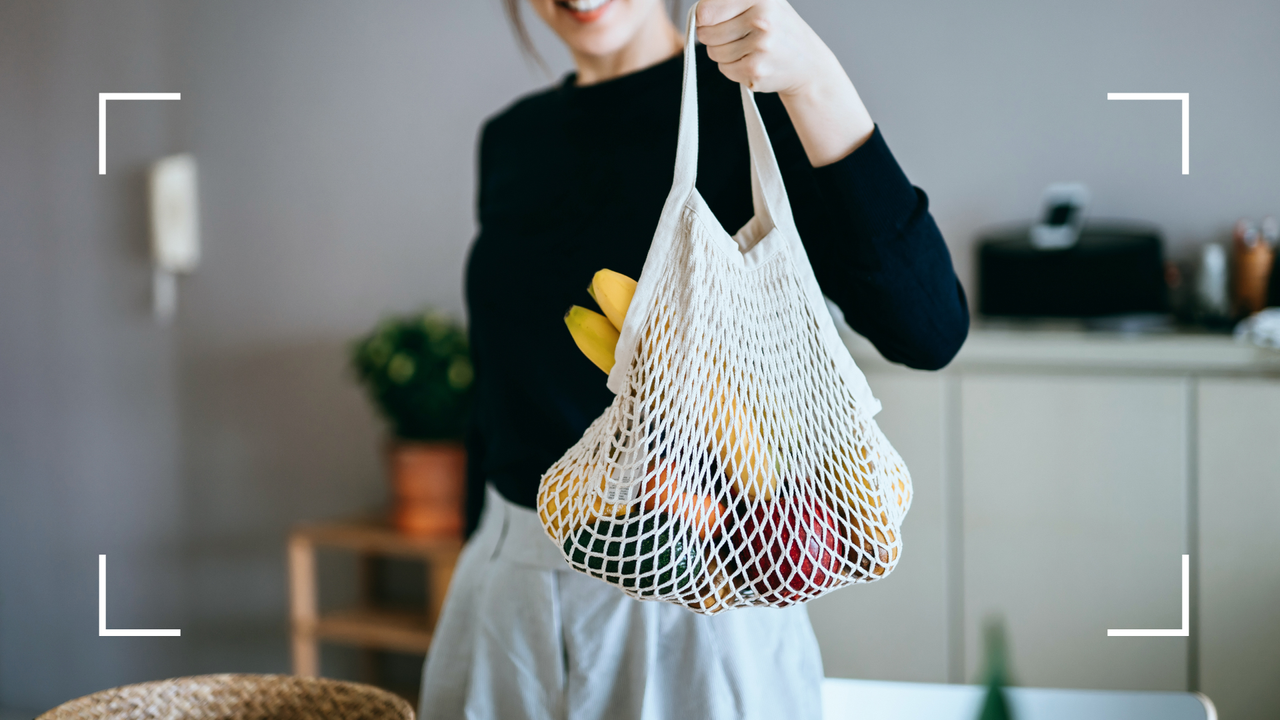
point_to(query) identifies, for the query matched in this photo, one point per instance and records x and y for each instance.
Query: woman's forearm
(828, 114)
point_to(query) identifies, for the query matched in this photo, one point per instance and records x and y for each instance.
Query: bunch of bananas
(596, 334)
(738, 441)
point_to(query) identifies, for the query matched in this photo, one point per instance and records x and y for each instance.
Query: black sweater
(573, 179)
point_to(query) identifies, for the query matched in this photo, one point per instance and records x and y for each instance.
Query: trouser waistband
(521, 538)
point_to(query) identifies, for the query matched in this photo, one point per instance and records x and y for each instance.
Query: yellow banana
(593, 333)
(612, 291)
(854, 500)
(556, 504)
(744, 455)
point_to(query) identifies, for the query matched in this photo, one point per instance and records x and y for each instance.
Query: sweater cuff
(870, 188)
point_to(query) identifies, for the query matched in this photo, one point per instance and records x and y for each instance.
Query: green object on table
(996, 704)
(619, 549)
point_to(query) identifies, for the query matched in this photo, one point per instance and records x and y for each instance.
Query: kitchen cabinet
(1239, 529)
(1074, 499)
(1060, 475)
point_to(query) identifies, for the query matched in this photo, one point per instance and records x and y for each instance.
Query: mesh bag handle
(772, 229)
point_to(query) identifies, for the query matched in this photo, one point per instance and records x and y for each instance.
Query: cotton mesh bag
(739, 463)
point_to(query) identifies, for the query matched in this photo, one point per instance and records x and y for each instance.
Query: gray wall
(336, 143)
(986, 103)
(89, 389)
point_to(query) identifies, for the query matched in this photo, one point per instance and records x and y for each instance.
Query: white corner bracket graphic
(1186, 118)
(1185, 630)
(102, 611)
(102, 118)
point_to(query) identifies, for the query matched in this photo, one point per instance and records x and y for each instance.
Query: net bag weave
(739, 462)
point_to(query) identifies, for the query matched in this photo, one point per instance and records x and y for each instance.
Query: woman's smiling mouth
(584, 10)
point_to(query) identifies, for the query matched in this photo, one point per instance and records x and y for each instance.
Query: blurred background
(1061, 472)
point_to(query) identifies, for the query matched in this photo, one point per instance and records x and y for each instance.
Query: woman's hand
(766, 46)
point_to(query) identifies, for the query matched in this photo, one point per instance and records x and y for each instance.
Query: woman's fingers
(760, 43)
(734, 28)
(739, 45)
(745, 44)
(731, 52)
(767, 46)
(714, 12)
(725, 32)
(747, 70)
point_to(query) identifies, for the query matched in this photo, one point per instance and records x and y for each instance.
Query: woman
(572, 180)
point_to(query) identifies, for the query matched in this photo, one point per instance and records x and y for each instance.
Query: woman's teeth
(583, 6)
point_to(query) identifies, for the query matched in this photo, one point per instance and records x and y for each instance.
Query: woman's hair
(522, 33)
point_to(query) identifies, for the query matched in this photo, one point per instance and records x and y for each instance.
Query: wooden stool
(363, 626)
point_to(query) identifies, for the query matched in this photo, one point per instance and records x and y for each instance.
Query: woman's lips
(584, 11)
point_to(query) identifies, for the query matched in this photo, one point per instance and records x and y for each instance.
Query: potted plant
(418, 372)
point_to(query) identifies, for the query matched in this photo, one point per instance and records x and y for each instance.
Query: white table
(878, 700)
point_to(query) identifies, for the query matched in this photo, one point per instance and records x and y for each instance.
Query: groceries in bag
(640, 547)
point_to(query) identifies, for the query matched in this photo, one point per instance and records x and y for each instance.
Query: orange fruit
(702, 512)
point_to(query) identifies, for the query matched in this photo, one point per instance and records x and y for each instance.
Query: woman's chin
(600, 46)
(597, 40)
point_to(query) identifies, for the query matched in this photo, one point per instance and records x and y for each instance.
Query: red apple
(789, 547)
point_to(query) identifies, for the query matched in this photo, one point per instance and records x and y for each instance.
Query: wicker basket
(237, 697)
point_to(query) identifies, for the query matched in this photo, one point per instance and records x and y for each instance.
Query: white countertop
(881, 700)
(1083, 350)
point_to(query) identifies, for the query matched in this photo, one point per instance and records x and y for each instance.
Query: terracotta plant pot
(428, 487)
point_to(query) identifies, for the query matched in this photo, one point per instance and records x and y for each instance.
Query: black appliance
(1114, 268)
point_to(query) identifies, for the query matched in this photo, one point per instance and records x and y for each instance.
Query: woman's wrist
(828, 114)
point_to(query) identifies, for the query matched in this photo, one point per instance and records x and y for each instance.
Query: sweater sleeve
(474, 441)
(878, 254)
(475, 477)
